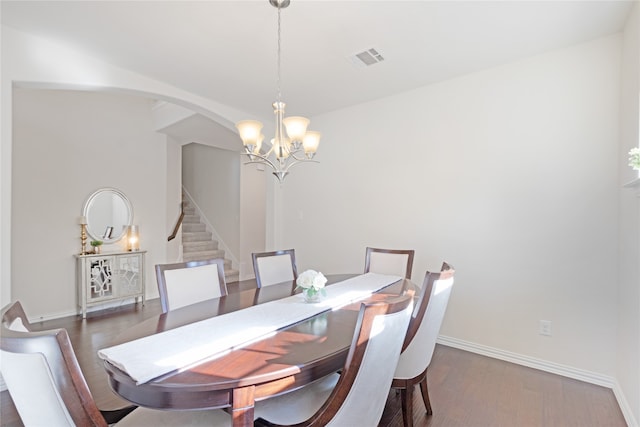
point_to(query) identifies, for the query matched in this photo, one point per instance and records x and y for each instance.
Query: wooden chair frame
(162, 284)
(257, 255)
(409, 252)
(359, 344)
(56, 347)
(406, 386)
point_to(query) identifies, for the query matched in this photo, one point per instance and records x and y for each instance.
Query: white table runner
(150, 357)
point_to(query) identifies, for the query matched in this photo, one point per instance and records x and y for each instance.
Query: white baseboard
(98, 307)
(543, 365)
(624, 405)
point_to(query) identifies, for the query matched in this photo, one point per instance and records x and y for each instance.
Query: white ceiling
(226, 50)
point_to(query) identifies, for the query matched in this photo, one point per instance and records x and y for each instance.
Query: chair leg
(406, 398)
(425, 395)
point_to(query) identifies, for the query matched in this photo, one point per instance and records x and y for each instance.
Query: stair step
(198, 243)
(197, 256)
(196, 237)
(190, 219)
(231, 275)
(193, 227)
(200, 246)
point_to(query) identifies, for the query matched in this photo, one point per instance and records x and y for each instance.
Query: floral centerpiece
(312, 284)
(634, 158)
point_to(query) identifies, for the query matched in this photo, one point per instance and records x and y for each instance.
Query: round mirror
(108, 213)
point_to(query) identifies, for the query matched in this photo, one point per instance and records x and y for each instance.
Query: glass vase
(311, 296)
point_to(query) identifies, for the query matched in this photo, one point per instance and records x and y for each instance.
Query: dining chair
(274, 267)
(356, 396)
(48, 388)
(420, 341)
(185, 283)
(389, 261)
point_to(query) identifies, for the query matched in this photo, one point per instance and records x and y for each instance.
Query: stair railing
(178, 224)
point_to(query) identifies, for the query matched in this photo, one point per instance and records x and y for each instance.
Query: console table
(110, 276)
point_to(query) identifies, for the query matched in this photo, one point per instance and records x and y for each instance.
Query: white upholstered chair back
(28, 362)
(31, 386)
(274, 267)
(356, 396)
(416, 357)
(187, 283)
(389, 261)
(364, 404)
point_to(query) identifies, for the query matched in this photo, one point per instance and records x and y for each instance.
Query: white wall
(628, 349)
(40, 63)
(253, 185)
(66, 145)
(212, 177)
(510, 174)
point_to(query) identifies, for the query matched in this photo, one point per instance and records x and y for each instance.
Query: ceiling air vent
(367, 58)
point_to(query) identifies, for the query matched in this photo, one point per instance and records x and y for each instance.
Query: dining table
(284, 360)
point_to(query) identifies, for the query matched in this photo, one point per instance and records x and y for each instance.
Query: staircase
(198, 243)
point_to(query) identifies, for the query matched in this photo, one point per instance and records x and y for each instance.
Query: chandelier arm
(293, 153)
(289, 163)
(299, 159)
(263, 159)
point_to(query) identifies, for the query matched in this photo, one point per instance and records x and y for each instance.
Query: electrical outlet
(545, 328)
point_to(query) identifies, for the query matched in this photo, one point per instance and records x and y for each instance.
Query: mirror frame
(87, 207)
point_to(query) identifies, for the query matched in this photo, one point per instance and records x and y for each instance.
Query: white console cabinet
(109, 277)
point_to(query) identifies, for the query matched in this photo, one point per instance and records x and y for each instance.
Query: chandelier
(298, 145)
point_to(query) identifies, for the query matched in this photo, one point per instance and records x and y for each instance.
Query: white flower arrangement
(311, 282)
(634, 158)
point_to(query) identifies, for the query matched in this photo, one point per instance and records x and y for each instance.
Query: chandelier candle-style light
(286, 149)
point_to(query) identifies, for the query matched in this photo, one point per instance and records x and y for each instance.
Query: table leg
(242, 406)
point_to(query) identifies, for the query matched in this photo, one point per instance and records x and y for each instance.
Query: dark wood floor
(466, 389)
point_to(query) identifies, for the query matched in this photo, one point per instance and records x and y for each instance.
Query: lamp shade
(259, 144)
(296, 127)
(249, 131)
(311, 141)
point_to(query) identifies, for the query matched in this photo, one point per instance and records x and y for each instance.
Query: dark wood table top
(292, 357)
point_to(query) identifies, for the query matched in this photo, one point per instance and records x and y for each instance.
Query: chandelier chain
(279, 55)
